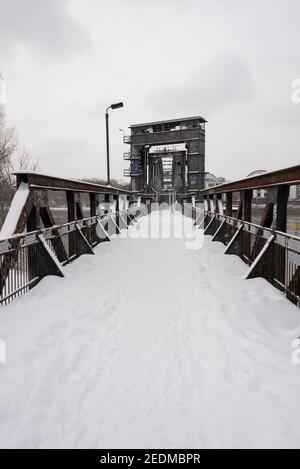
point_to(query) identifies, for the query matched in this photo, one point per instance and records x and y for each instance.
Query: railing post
(93, 212)
(32, 220)
(281, 225)
(205, 203)
(247, 200)
(117, 200)
(220, 204)
(282, 201)
(211, 203)
(107, 201)
(71, 217)
(239, 213)
(229, 204)
(206, 209)
(32, 225)
(93, 204)
(79, 210)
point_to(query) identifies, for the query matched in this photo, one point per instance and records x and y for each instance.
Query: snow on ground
(150, 344)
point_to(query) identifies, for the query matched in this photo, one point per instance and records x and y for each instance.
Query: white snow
(15, 211)
(150, 344)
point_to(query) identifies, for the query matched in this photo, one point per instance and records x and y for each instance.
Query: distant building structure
(210, 180)
(259, 195)
(167, 158)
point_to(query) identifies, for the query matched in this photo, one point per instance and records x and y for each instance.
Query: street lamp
(112, 106)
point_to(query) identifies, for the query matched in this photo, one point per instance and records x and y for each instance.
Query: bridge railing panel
(28, 257)
(19, 261)
(269, 253)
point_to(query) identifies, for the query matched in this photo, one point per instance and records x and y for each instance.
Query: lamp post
(112, 106)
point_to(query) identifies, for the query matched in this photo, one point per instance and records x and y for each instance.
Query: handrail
(255, 225)
(44, 181)
(28, 257)
(270, 253)
(286, 176)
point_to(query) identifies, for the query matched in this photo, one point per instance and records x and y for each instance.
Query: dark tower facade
(167, 156)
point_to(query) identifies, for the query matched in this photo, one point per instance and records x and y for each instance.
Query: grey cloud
(43, 25)
(60, 148)
(224, 81)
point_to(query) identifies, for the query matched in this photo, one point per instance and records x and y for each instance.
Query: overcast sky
(231, 61)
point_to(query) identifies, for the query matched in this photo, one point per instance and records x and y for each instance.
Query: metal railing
(270, 254)
(130, 173)
(26, 258)
(128, 156)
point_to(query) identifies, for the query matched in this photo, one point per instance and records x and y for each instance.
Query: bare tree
(8, 145)
(12, 158)
(24, 161)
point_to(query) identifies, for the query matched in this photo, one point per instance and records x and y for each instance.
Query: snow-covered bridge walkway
(150, 344)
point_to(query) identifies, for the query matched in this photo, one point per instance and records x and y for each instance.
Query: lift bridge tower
(167, 158)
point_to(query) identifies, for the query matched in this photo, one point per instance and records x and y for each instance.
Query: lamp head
(116, 105)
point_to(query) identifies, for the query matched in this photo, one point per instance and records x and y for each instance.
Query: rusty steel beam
(281, 177)
(42, 181)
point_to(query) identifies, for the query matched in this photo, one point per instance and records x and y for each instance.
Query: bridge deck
(150, 344)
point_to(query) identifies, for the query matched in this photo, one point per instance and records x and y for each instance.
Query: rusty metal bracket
(82, 244)
(262, 266)
(235, 245)
(47, 262)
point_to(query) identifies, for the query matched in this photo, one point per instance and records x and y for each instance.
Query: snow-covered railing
(26, 258)
(270, 253)
(32, 242)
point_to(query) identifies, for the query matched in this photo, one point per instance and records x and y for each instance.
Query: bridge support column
(219, 204)
(32, 225)
(246, 205)
(282, 201)
(211, 204)
(239, 213)
(129, 216)
(106, 210)
(205, 203)
(93, 212)
(206, 209)
(93, 204)
(229, 204)
(211, 223)
(71, 217)
(117, 208)
(79, 209)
